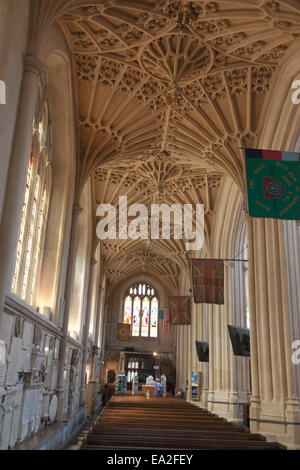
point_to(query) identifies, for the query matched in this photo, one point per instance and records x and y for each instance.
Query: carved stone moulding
(176, 58)
(159, 172)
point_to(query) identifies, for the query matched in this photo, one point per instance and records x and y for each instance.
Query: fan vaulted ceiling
(164, 109)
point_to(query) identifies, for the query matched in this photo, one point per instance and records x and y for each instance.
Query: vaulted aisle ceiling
(164, 109)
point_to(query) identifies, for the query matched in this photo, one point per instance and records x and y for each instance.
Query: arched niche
(62, 127)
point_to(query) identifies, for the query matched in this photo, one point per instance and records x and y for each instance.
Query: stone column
(93, 262)
(103, 335)
(34, 72)
(232, 369)
(100, 315)
(205, 365)
(254, 368)
(289, 239)
(97, 323)
(67, 302)
(98, 337)
(278, 416)
(211, 375)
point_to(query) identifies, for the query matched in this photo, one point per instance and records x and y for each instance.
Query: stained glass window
(141, 310)
(34, 215)
(145, 316)
(22, 225)
(127, 310)
(154, 318)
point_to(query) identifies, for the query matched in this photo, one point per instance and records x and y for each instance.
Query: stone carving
(262, 78)
(16, 414)
(195, 62)
(6, 326)
(150, 85)
(86, 67)
(237, 81)
(53, 409)
(214, 86)
(38, 366)
(52, 342)
(274, 54)
(38, 335)
(75, 360)
(223, 42)
(18, 326)
(14, 362)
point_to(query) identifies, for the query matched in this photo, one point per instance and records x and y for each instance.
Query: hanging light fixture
(186, 14)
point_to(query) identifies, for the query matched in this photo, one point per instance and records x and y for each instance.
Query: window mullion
(149, 319)
(35, 244)
(141, 316)
(42, 216)
(23, 239)
(27, 227)
(34, 222)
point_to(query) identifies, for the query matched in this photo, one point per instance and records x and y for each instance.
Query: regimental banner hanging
(208, 281)
(273, 181)
(180, 310)
(164, 320)
(123, 332)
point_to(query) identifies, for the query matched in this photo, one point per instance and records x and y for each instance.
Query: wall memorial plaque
(38, 335)
(3, 368)
(3, 365)
(27, 334)
(16, 416)
(14, 362)
(2, 352)
(57, 344)
(39, 408)
(6, 326)
(53, 408)
(54, 374)
(14, 427)
(5, 432)
(46, 403)
(28, 413)
(27, 354)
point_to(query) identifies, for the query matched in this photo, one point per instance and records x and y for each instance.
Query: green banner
(273, 188)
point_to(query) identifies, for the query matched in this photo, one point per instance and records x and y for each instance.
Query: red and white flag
(164, 320)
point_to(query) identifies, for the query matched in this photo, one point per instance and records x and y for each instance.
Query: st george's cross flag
(273, 183)
(208, 281)
(180, 310)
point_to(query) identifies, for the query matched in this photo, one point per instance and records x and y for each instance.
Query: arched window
(141, 310)
(34, 214)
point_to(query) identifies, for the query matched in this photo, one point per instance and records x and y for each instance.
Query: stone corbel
(33, 65)
(18, 326)
(247, 218)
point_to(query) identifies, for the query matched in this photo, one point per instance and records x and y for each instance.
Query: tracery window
(141, 310)
(34, 215)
